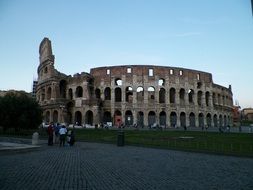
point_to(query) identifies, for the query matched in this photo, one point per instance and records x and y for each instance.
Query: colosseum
(139, 95)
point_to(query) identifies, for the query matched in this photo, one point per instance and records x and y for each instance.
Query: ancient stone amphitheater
(131, 95)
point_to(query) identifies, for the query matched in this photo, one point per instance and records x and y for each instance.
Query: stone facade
(132, 94)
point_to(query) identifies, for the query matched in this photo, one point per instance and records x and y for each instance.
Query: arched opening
(79, 92)
(140, 94)
(214, 99)
(162, 95)
(220, 121)
(192, 119)
(47, 117)
(182, 96)
(69, 108)
(89, 118)
(182, 119)
(162, 119)
(117, 118)
(151, 93)
(201, 120)
(70, 94)
(173, 119)
(207, 98)
(161, 82)
(140, 119)
(55, 116)
(129, 94)
(225, 121)
(128, 118)
(63, 87)
(107, 93)
(172, 95)
(215, 121)
(49, 93)
(209, 120)
(151, 118)
(118, 82)
(78, 118)
(190, 96)
(200, 98)
(97, 93)
(117, 94)
(107, 117)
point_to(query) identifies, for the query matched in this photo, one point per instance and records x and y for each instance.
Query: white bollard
(35, 138)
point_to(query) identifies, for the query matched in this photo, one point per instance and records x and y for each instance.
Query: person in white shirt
(62, 132)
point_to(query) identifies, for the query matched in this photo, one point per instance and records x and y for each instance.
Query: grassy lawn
(239, 144)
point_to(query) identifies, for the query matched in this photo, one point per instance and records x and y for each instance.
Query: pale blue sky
(214, 36)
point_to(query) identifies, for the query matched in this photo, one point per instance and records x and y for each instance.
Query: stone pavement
(106, 166)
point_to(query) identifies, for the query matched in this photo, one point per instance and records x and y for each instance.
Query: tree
(18, 110)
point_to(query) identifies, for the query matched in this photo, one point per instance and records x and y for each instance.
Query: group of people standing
(58, 134)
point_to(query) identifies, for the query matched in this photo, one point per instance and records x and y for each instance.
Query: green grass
(238, 144)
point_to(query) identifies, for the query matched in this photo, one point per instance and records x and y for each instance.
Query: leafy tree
(18, 110)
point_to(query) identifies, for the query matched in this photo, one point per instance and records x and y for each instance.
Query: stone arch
(78, 118)
(140, 94)
(191, 96)
(70, 94)
(129, 94)
(162, 93)
(182, 96)
(207, 98)
(89, 117)
(201, 120)
(79, 92)
(200, 93)
(69, 107)
(215, 121)
(225, 120)
(128, 118)
(192, 120)
(140, 119)
(220, 121)
(117, 118)
(172, 95)
(107, 93)
(118, 94)
(162, 119)
(63, 88)
(182, 119)
(55, 116)
(98, 93)
(151, 118)
(107, 117)
(209, 120)
(151, 93)
(173, 119)
(47, 117)
(161, 82)
(49, 93)
(118, 82)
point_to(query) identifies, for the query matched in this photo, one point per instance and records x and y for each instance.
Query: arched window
(107, 93)
(129, 94)
(79, 92)
(190, 96)
(128, 118)
(97, 93)
(63, 87)
(182, 96)
(151, 93)
(117, 118)
(118, 82)
(172, 95)
(173, 119)
(199, 98)
(161, 82)
(207, 98)
(208, 120)
(117, 94)
(70, 94)
(107, 117)
(78, 118)
(215, 120)
(140, 119)
(140, 93)
(151, 118)
(192, 119)
(49, 93)
(89, 118)
(201, 120)
(162, 95)
(162, 119)
(182, 119)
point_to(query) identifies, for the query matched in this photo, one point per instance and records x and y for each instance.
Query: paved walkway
(106, 166)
